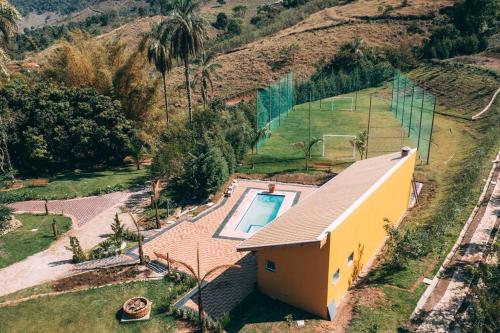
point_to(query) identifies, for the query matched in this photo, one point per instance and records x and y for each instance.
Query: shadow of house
(230, 288)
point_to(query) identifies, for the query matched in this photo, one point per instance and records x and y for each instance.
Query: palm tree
(307, 149)
(198, 277)
(204, 76)
(158, 53)
(188, 31)
(360, 143)
(8, 26)
(257, 136)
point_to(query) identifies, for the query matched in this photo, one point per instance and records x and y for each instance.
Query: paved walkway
(92, 218)
(438, 309)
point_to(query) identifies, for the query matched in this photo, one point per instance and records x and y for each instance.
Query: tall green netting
(275, 102)
(414, 107)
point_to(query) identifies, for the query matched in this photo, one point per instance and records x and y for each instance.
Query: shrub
(76, 249)
(221, 21)
(118, 228)
(5, 216)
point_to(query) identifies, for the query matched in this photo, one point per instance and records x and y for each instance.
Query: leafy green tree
(188, 31)
(58, 128)
(9, 16)
(221, 21)
(159, 54)
(234, 27)
(204, 77)
(205, 170)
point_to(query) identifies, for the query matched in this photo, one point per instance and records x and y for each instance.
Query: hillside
(318, 37)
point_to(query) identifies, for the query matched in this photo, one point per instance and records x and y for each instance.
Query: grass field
(278, 154)
(72, 185)
(34, 236)
(95, 310)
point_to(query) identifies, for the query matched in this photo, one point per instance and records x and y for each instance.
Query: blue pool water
(261, 212)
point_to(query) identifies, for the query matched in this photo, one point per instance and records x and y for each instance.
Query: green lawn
(278, 154)
(95, 310)
(25, 241)
(72, 185)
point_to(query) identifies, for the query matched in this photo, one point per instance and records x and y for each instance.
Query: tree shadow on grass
(258, 308)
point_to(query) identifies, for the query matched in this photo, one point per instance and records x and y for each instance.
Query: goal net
(341, 103)
(338, 147)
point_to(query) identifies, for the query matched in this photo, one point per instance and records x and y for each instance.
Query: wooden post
(46, 204)
(432, 130)
(54, 229)
(368, 131)
(356, 101)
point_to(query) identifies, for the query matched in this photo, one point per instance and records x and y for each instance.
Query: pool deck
(181, 241)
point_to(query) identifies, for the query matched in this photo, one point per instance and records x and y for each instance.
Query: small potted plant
(272, 188)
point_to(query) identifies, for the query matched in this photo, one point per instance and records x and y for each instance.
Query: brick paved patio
(180, 242)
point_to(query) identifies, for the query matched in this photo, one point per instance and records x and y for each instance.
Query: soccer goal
(338, 147)
(342, 103)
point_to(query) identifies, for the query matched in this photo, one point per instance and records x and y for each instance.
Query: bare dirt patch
(102, 277)
(316, 179)
(371, 297)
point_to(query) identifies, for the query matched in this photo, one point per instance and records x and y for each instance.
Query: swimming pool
(263, 209)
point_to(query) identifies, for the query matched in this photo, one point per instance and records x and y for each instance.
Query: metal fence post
(432, 129)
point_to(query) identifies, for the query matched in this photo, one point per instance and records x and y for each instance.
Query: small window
(336, 276)
(350, 259)
(270, 266)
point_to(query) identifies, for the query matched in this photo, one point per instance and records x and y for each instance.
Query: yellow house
(310, 254)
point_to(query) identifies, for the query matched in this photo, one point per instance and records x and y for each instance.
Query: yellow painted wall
(364, 228)
(304, 274)
(300, 278)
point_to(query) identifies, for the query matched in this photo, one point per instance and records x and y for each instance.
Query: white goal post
(351, 108)
(347, 137)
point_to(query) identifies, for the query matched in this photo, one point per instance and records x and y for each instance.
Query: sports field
(278, 153)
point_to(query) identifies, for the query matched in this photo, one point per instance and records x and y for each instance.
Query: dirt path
(438, 306)
(92, 218)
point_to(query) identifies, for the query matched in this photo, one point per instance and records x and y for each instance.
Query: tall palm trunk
(188, 89)
(7, 162)
(165, 94)
(204, 97)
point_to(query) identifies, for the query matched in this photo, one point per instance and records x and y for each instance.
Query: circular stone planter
(137, 307)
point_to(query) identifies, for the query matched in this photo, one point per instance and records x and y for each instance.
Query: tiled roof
(312, 218)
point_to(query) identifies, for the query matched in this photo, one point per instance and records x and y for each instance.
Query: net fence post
(420, 122)
(270, 104)
(411, 111)
(397, 95)
(404, 103)
(279, 105)
(432, 130)
(369, 121)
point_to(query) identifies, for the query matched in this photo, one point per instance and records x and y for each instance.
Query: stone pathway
(92, 218)
(438, 308)
(81, 210)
